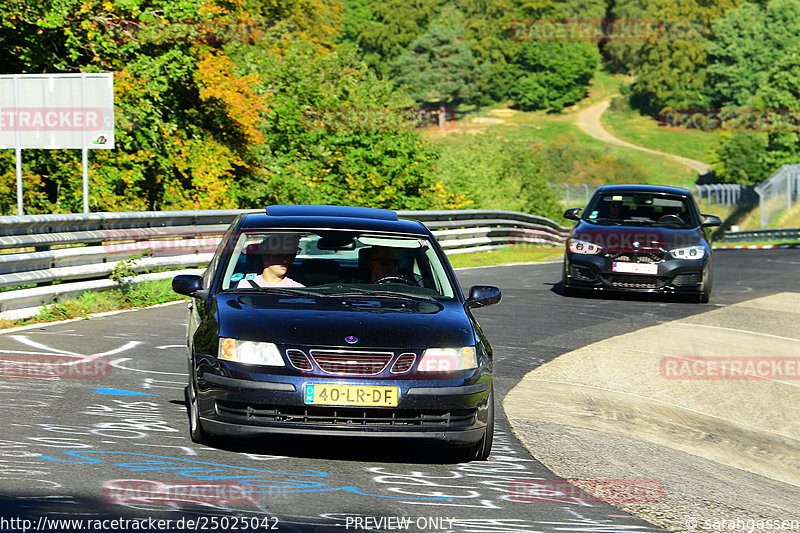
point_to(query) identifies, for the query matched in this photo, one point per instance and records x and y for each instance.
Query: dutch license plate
(634, 268)
(351, 395)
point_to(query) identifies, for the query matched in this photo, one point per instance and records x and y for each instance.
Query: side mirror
(483, 295)
(710, 221)
(187, 284)
(573, 214)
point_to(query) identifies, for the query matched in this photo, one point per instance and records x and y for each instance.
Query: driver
(277, 252)
(383, 261)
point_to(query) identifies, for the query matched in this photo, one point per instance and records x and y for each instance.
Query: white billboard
(57, 111)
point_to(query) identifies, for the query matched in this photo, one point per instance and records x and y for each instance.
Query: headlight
(583, 247)
(448, 359)
(249, 352)
(690, 252)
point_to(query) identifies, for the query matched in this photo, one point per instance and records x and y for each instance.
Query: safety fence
(725, 194)
(777, 194)
(579, 194)
(50, 258)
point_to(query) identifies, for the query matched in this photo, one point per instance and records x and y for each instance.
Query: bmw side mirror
(710, 221)
(483, 295)
(573, 214)
(187, 284)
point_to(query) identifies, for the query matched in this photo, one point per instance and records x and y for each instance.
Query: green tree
(745, 45)
(781, 92)
(383, 29)
(622, 53)
(498, 173)
(335, 133)
(438, 69)
(740, 157)
(553, 75)
(671, 71)
(214, 108)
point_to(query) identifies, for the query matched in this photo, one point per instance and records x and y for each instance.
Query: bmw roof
(643, 188)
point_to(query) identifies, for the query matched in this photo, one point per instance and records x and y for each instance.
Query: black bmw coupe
(640, 238)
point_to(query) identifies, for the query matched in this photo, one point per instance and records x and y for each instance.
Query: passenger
(615, 210)
(383, 261)
(277, 252)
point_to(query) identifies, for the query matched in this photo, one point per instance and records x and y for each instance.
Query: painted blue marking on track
(266, 481)
(121, 392)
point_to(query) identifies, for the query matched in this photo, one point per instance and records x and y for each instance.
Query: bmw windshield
(642, 209)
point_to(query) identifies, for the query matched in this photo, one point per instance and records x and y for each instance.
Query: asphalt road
(100, 443)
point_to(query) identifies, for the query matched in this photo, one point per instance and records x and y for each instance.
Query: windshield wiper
(606, 220)
(639, 222)
(292, 291)
(381, 294)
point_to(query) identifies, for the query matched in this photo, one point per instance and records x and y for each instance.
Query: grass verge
(140, 295)
(522, 253)
(628, 125)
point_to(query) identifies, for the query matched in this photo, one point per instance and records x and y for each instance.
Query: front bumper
(673, 276)
(453, 410)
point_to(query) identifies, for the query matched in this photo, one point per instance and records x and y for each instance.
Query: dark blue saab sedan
(341, 321)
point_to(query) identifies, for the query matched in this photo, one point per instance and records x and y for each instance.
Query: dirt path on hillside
(588, 120)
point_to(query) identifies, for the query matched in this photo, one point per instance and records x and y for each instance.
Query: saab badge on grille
(351, 339)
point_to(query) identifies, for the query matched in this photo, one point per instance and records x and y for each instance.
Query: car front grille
(582, 273)
(404, 363)
(637, 257)
(299, 360)
(634, 281)
(351, 363)
(343, 416)
(686, 280)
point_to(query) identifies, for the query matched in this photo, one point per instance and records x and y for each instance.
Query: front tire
(196, 431)
(566, 290)
(705, 295)
(481, 450)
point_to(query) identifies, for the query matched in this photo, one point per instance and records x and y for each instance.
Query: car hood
(624, 238)
(327, 321)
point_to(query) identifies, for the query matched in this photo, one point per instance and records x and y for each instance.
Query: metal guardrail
(781, 234)
(66, 255)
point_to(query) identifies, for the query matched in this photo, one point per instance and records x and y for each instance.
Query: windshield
(334, 262)
(641, 209)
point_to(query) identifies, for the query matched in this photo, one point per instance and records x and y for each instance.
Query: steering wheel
(392, 278)
(674, 219)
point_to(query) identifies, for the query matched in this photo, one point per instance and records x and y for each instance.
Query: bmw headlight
(249, 352)
(448, 359)
(583, 247)
(689, 252)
